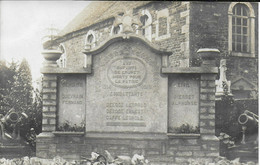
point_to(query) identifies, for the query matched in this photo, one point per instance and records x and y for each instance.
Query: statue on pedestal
(222, 85)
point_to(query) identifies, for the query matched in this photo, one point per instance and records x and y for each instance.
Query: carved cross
(127, 20)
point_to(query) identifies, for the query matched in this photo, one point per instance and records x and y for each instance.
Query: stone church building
(180, 27)
(179, 30)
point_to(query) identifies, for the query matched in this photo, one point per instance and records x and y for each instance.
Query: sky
(24, 23)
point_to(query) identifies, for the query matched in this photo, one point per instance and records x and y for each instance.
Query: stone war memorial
(128, 100)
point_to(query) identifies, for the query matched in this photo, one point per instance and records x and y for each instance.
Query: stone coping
(45, 135)
(62, 133)
(190, 70)
(203, 50)
(12, 147)
(209, 138)
(127, 135)
(107, 135)
(183, 135)
(56, 70)
(121, 37)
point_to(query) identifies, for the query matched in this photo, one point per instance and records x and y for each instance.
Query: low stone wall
(158, 151)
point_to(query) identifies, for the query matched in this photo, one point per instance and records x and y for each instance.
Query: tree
(22, 89)
(16, 91)
(22, 95)
(36, 118)
(6, 83)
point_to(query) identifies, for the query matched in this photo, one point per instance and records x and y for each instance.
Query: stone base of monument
(157, 148)
(14, 149)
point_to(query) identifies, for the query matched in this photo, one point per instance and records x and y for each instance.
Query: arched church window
(62, 61)
(116, 30)
(241, 29)
(90, 41)
(90, 38)
(146, 20)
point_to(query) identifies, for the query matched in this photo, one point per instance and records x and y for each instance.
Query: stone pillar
(207, 115)
(210, 142)
(49, 105)
(45, 145)
(50, 91)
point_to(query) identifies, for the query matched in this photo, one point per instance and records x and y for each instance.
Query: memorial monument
(128, 100)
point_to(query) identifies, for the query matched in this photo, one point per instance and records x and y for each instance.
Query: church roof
(98, 11)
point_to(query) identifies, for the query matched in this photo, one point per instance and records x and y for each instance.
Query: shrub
(68, 127)
(184, 128)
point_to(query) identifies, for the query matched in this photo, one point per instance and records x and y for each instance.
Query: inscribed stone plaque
(71, 100)
(126, 92)
(183, 101)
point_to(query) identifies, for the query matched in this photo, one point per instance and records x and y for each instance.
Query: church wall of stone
(209, 28)
(189, 30)
(176, 40)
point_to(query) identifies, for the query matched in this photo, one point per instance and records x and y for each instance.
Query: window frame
(148, 25)
(119, 32)
(93, 41)
(163, 13)
(62, 62)
(251, 30)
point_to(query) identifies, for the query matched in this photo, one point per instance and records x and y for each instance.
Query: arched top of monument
(130, 38)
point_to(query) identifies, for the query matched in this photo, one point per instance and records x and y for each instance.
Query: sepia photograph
(129, 83)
